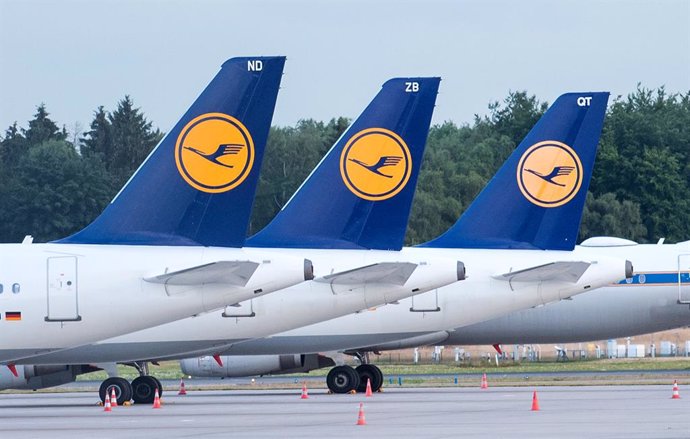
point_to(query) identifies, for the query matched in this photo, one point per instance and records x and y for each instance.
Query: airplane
(656, 299)
(519, 236)
(509, 245)
(168, 246)
(350, 222)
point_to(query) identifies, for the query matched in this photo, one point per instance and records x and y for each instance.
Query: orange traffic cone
(182, 389)
(485, 383)
(368, 392)
(360, 415)
(305, 395)
(676, 395)
(113, 397)
(535, 402)
(107, 403)
(156, 400)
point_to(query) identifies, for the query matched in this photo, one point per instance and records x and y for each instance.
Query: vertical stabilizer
(536, 199)
(360, 195)
(197, 186)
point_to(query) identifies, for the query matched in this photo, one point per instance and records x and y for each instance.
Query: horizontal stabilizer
(566, 271)
(236, 273)
(392, 273)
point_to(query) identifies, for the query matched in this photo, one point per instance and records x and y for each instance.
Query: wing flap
(567, 271)
(235, 273)
(391, 273)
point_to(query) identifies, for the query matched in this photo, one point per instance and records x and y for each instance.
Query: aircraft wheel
(380, 379)
(159, 384)
(123, 390)
(342, 379)
(144, 389)
(371, 372)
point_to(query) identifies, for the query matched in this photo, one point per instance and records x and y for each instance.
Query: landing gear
(141, 391)
(144, 389)
(342, 379)
(123, 390)
(369, 372)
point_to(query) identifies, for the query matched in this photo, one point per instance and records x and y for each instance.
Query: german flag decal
(13, 315)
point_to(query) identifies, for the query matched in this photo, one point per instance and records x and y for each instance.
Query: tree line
(54, 183)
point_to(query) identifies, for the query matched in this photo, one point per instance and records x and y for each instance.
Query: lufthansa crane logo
(375, 164)
(549, 174)
(214, 153)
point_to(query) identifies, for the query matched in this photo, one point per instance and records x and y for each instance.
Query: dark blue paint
(157, 207)
(502, 218)
(325, 214)
(656, 278)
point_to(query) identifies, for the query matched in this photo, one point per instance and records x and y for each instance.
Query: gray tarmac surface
(642, 411)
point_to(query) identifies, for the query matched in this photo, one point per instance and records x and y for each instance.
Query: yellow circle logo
(214, 152)
(375, 164)
(549, 174)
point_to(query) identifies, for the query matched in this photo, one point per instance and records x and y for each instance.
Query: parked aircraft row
(166, 271)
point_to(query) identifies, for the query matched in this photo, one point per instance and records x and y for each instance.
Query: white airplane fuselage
(648, 302)
(57, 296)
(479, 297)
(657, 299)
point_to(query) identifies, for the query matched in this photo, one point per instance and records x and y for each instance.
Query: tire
(342, 379)
(380, 379)
(123, 390)
(371, 372)
(159, 384)
(144, 389)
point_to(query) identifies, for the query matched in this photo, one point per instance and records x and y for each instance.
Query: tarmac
(640, 411)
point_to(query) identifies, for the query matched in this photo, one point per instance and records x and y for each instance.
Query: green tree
(53, 193)
(644, 158)
(12, 146)
(606, 216)
(516, 117)
(98, 140)
(133, 138)
(42, 128)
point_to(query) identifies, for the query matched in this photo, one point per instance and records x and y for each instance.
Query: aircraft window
(15, 288)
(0, 288)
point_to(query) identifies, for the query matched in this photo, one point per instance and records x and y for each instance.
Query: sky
(75, 55)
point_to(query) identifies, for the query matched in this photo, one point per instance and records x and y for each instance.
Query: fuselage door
(242, 309)
(425, 302)
(684, 279)
(63, 290)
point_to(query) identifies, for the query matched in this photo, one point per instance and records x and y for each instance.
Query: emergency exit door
(63, 293)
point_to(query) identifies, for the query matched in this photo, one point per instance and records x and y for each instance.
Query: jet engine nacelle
(40, 377)
(599, 274)
(251, 365)
(430, 273)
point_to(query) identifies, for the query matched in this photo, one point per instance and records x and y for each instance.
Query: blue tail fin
(360, 195)
(535, 201)
(197, 186)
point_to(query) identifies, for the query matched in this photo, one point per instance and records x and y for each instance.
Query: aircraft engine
(40, 377)
(251, 365)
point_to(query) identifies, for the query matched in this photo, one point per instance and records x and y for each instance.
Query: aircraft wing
(236, 273)
(393, 273)
(568, 271)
